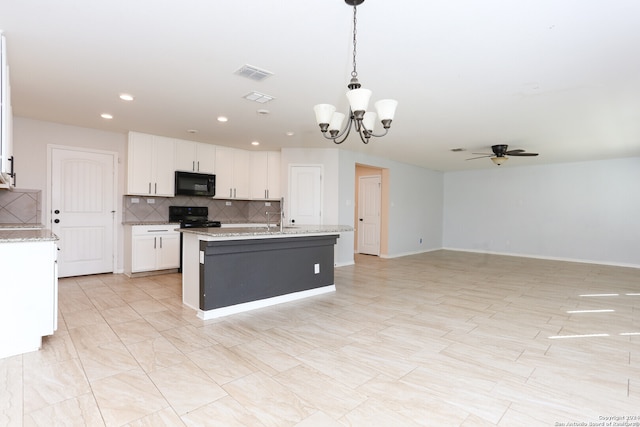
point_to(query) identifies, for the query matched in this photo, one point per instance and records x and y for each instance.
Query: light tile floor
(437, 339)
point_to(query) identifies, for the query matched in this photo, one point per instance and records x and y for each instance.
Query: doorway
(369, 190)
(372, 206)
(82, 209)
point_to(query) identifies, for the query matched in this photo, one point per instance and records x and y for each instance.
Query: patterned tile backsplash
(153, 209)
(20, 207)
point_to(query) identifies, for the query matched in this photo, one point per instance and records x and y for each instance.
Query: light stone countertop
(232, 233)
(25, 233)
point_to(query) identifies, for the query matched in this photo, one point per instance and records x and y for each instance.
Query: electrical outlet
(151, 201)
(421, 240)
(316, 268)
(135, 200)
(267, 203)
(227, 203)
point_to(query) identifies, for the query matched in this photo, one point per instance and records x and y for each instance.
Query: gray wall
(588, 211)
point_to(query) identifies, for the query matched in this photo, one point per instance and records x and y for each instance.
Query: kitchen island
(232, 270)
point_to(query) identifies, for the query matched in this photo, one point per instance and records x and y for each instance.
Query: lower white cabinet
(151, 248)
(28, 295)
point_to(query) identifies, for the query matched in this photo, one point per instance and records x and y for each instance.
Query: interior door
(369, 215)
(83, 210)
(305, 195)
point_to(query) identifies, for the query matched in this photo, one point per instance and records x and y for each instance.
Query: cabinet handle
(155, 188)
(198, 165)
(155, 239)
(193, 165)
(149, 188)
(231, 192)
(234, 193)
(160, 242)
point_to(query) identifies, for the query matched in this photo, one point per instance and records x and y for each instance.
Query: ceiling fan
(500, 152)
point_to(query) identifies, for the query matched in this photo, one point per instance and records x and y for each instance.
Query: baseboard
(549, 258)
(389, 256)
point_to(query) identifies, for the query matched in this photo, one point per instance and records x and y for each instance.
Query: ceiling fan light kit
(499, 160)
(363, 121)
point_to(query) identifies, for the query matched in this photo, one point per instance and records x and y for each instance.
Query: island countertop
(237, 233)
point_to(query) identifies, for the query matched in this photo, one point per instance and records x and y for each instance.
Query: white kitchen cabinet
(265, 175)
(28, 295)
(232, 173)
(194, 156)
(150, 165)
(151, 248)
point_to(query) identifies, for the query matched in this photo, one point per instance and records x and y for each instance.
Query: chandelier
(359, 118)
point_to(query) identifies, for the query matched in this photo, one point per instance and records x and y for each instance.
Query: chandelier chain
(354, 73)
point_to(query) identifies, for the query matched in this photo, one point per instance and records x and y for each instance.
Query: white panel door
(369, 215)
(305, 195)
(82, 210)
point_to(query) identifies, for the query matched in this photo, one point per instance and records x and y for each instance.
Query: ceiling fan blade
(483, 154)
(481, 157)
(523, 154)
(511, 152)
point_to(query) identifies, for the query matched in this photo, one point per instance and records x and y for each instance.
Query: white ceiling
(561, 78)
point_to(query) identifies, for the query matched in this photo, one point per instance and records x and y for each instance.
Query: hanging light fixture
(359, 118)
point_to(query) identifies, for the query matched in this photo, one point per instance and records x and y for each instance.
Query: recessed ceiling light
(290, 133)
(192, 130)
(106, 116)
(255, 143)
(263, 112)
(457, 150)
(126, 97)
(222, 119)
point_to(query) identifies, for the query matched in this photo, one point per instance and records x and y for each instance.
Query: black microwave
(195, 184)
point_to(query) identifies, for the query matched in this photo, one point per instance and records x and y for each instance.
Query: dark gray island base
(240, 271)
(228, 271)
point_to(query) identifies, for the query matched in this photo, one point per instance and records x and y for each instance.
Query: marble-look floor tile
(440, 338)
(274, 404)
(225, 411)
(127, 397)
(186, 387)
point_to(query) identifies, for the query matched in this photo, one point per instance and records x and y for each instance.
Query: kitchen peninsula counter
(230, 270)
(25, 233)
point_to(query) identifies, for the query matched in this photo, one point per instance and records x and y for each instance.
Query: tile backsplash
(20, 207)
(153, 209)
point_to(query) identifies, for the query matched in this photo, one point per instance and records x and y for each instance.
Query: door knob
(56, 220)
(56, 211)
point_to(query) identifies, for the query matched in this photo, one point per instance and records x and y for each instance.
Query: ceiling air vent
(253, 73)
(258, 97)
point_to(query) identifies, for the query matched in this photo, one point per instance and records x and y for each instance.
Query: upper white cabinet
(195, 156)
(6, 149)
(150, 165)
(232, 173)
(265, 175)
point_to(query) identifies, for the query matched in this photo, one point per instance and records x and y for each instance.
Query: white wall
(30, 141)
(588, 211)
(416, 199)
(415, 202)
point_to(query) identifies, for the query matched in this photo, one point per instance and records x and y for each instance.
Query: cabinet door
(168, 251)
(143, 253)
(139, 161)
(273, 175)
(241, 159)
(224, 173)
(206, 158)
(259, 175)
(185, 156)
(164, 169)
